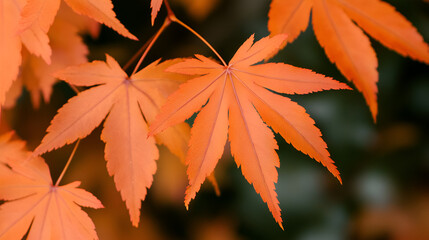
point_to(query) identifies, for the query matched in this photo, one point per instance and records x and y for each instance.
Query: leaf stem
(135, 56)
(67, 164)
(173, 18)
(166, 23)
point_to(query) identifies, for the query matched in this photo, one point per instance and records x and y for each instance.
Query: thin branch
(68, 163)
(173, 18)
(166, 23)
(137, 54)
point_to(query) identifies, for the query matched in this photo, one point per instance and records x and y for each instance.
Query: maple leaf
(238, 95)
(345, 44)
(10, 46)
(52, 211)
(129, 153)
(67, 49)
(84, 24)
(38, 16)
(156, 6)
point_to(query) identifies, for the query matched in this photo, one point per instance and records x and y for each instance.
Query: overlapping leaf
(67, 49)
(131, 103)
(35, 73)
(38, 16)
(10, 45)
(345, 44)
(53, 212)
(238, 96)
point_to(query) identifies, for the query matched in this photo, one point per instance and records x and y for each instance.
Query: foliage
(242, 101)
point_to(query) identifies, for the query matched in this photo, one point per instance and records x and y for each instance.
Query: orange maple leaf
(345, 44)
(52, 211)
(238, 95)
(38, 16)
(129, 153)
(36, 42)
(68, 49)
(155, 5)
(10, 45)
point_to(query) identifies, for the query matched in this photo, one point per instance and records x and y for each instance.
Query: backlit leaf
(32, 201)
(236, 95)
(130, 103)
(345, 44)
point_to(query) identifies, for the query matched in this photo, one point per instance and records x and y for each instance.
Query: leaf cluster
(243, 101)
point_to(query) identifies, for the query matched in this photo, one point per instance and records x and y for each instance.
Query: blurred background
(384, 166)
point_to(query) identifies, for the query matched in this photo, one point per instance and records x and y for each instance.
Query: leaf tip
(339, 179)
(374, 111)
(100, 205)
(334, 171)
(135, 224)
(132, 37)
(345, 87)
(281, 226)
(187, 200)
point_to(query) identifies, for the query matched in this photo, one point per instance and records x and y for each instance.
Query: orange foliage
(240, 90)
(38, 16)
(345, 44)
(10, 45)
(32, 199)
(239, 101)
(67, 49)
(155, 5)
(129, 153)
(28, 23)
